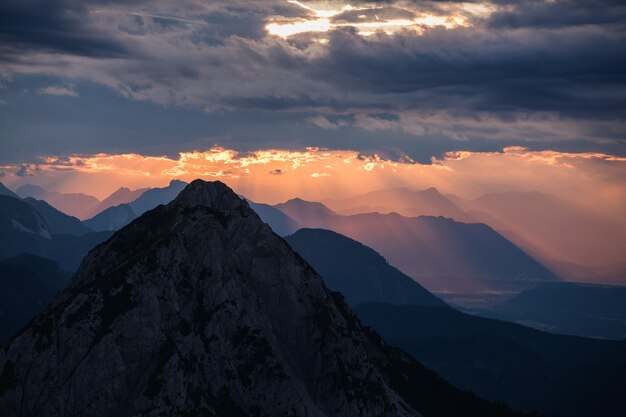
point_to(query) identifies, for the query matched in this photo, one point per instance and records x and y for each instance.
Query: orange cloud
(274, 175)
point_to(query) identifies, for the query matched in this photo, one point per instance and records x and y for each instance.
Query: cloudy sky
(402, 81)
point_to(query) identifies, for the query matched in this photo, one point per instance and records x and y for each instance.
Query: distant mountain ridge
(59, 222)
(405, 201)
(24, 230)
(122, 195)
(155, 196)
(74, 204)
(358, 272)
(569, 308)
(440, 253)
(112, 218)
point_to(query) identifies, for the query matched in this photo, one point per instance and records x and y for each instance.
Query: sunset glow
(275, 175)
(322, 20)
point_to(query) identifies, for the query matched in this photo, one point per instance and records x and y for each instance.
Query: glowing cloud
(274, 175)
(322, 20)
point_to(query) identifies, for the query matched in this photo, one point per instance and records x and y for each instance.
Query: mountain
(355, 270)
(58, 221)
(441, 254)
(75, 204)
(529, 369)
(122, 195)
(282, 224)
(304, 211)
(27, 284)
(113, 218)
(402, 200)
(198, 308)
(5, 191)
(24, 230)
(569, 308)
(155, 196)
(19, 217)
(31, 190)
(558, 229)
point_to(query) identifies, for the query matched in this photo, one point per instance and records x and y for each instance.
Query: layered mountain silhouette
(75, 204)
(570, 239)
(5, 191)
(358, 272)
(59, 222)
(529, 369)
(27, 284)
(122, 195)
(569, 308)
(405, 201)
(440, 253)
(155, 196)
(198, 308)
(278, 221)
(24, 230)
(496, 359)
(117, 216)
(112, 218)
(558, 229)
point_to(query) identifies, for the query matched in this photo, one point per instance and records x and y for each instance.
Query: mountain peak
(213, 194)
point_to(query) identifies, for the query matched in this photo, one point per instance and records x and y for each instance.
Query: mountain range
(496, 359)
(568, 308)
(442, 254)
(74, 204)
(24, 230)
(574, 241)
(199, 308)
(356, 271)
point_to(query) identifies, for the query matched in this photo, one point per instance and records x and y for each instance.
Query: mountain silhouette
(531, 370)
(558, 229)
(112, 218)
(74, 204)
(24, 230)
(440, 253)
(358, 272)
(122, 195)
(155, 196)
(405, 201)
(5, 191)
(59, 222)
(281, 223)
(569, 308)
(199, 308)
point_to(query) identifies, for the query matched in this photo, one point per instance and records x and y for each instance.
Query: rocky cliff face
(197, 308)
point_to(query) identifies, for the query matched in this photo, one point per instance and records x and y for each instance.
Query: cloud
(58, 91)
(323, 123)
(591, 178)
(533, 71)
(27, 170)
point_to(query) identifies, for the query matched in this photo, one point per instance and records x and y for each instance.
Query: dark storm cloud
(564, 13)
(583, 72)
(57, 25)
(511, 76)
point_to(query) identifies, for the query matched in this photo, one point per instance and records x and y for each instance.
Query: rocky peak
(198, 308)
(215, 195)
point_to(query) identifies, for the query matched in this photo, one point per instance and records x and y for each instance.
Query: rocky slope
(198, 308)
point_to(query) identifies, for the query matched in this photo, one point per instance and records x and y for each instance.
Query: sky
(469, 96)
